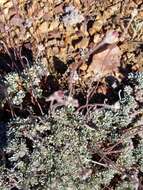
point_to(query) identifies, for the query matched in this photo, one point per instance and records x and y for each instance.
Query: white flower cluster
(138, 77)
(19, 85)
(14, 82)
(111, 37)
(35, 73)
(138, 88)
(72, 16)
(18, 99)
(33, 77)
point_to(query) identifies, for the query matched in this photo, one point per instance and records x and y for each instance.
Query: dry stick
(88, 97)
(95, 162)
(71, 83)
(110, 150)
(8, 52)
(114, 152)
(91, 93)
(24, 57)
(19, 55)
(16, 54)
(101, 44)
(5, 24)
(106, 188)
(37, 102)
(111, 37)
(112, 163)
(10, 105)
(6, 48)
(32, 93)
(11, 108)
(9, 39)
(14, 2)
(109, 161)
(91, 52)
(33, 96)
(133, 15)
(72, 71)
(131, 131)
(112, 46)
(105, 158)
(134, 132)
(95, 105)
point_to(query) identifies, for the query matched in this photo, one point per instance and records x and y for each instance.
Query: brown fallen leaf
(16, 20)
(2, 27)
(58, 9)
(104, 63)
(54, 34)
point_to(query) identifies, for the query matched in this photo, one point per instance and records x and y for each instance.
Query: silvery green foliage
(128, 105)
(58, 151)
(127, 158)
(138, 152)
(56, 156)
(137, 80)
(19, 84)
(110, 118)
(14, 83)
(126, 186)
(28, 159)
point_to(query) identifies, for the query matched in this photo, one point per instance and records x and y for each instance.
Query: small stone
(43, 28)
(96, 39)
(83, 43)
(54, 24)
(2, 2)
(55, 50)
(97, 26)
(44, 61)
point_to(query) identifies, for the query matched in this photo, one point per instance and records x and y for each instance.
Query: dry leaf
(2, 27)
(88, 2)
(83, 43)
(16, 20)
(105, 62)
(58, 9)
(33, 9)
(47, 17)
(54, 34)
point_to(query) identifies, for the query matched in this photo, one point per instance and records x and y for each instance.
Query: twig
(95, 162)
